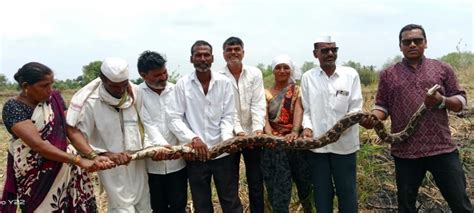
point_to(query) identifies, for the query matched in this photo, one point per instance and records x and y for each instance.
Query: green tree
(174, 76)
(266, 69)
(367, 74)
(356, 65)
(459, 60)
(267, 74)
(307, 65)
(79, 79)
(3, 81)
(5, 84)
(137, 81)
(90, 72)
(392, 61)
(66, 84)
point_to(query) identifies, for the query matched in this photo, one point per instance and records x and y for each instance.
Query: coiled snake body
(331, 136)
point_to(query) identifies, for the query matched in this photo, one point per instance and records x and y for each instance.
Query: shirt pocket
(215, 112)
(341, 103)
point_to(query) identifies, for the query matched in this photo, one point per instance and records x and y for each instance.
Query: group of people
(111, 115)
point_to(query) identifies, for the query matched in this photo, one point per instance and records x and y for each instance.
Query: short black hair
(411, 27)
(31, 73)
(199, 43)
(315, 46)
(233, 41)
(150, 60)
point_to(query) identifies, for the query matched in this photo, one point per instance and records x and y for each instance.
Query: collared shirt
(195, 114)
(249, 97)
(326, 100)
(153, 113)
(402, 89)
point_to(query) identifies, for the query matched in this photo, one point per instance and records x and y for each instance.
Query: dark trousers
(334, 174)
(169, 193)
(447, 172)
(226, 180)
(252, 158)
(279, 167)
(301, 175)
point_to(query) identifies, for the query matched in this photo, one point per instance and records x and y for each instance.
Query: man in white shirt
(250, 104)
(328, 93)
(105, 113)
(202, 115)
(166, 178)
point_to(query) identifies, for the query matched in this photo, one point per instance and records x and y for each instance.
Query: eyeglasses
(332, 49)
(417, 41)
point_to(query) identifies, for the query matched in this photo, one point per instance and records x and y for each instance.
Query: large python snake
(332, 135)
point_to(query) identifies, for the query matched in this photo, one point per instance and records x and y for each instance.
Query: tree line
(461, 61)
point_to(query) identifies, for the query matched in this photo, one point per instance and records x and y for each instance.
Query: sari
(34, 183)
(280, 167)
(281, 108)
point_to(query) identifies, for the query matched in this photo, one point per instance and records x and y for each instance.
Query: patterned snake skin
(332, 135)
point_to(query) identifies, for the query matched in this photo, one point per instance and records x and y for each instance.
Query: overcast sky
(66, 35)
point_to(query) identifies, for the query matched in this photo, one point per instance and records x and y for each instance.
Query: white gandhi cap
(324, 39)
(115, 69)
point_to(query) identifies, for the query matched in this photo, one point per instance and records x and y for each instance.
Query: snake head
(433, 89)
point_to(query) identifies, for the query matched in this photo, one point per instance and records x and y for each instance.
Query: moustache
(157, 85)
(202, 65)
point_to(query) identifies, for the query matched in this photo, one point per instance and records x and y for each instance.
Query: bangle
(296, 129)
(75, 159)
(442, 105)
(91, 155)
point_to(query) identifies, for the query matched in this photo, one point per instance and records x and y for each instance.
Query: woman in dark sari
(44, 172)
(284, 117)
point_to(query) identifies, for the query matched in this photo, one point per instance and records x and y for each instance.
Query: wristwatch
(442, 105)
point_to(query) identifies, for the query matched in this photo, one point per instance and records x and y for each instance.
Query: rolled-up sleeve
(452, 86)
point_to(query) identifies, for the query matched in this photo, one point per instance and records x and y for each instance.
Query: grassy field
(376, 183)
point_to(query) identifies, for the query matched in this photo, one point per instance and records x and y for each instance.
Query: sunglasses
(417, 41)
(332, 49)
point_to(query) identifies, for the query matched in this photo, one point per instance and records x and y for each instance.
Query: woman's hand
(103, 162)
(291, 137)
(121, 158)
(307, 133)
(88, 165)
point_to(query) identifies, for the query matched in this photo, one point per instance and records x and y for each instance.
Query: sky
(66, 35)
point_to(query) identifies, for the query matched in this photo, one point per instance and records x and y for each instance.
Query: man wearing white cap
(250, 104)
(105, 113)
(328, 93)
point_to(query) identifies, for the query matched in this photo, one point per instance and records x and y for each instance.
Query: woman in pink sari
(284, 117)
(44, 172)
